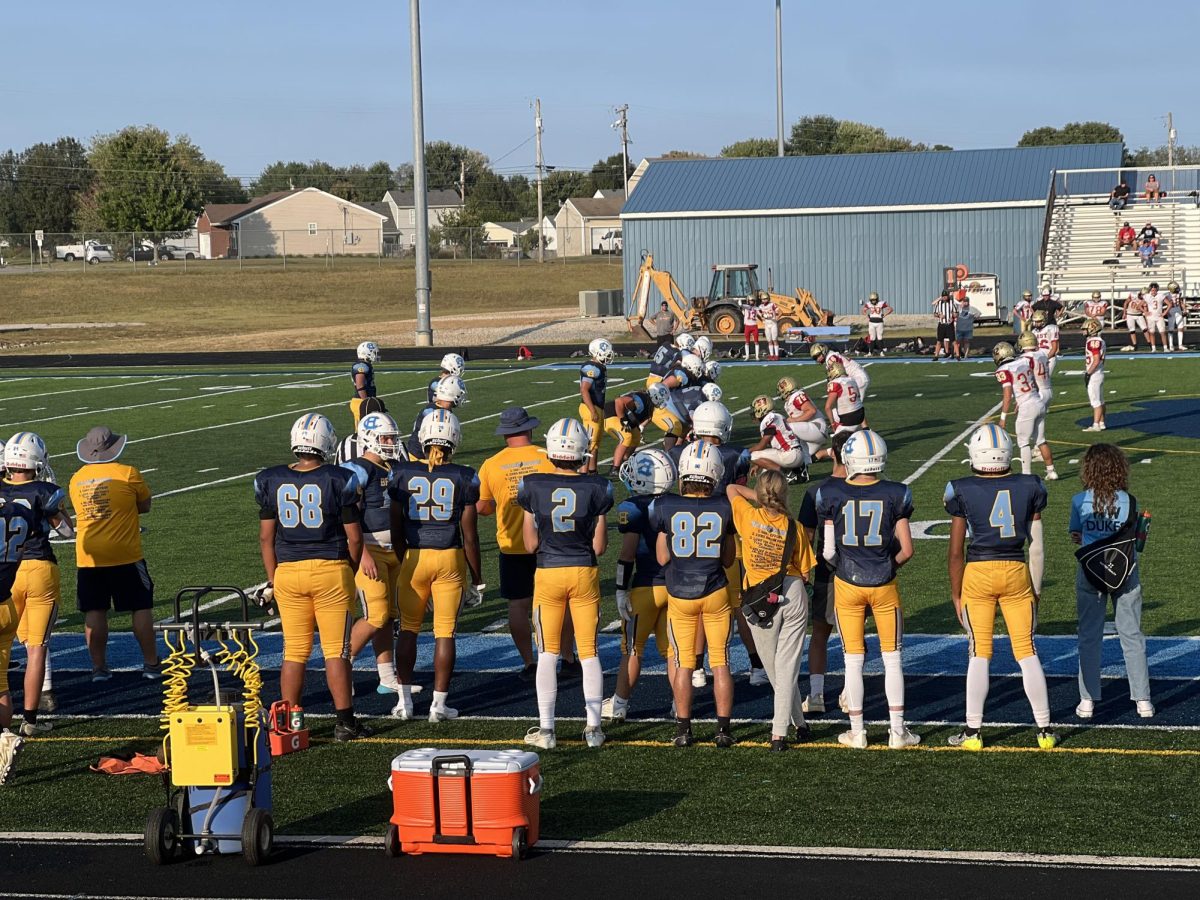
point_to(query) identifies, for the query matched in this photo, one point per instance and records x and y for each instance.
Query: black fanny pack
(1109, 563)
(761, 601)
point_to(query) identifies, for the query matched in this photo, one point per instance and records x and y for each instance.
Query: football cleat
(966, 740)
(613, 711)
(856, 740)
(898, 740)
(684, 740)
(402, 712)
(1086, 709)
(1145, 709)
(10, 748)
(593, 736)
(352, 732)
(543, 739)
(758, 677)
(815, 705)
(33, 729)
(724, 740)
(1047, 739)
(442, 714)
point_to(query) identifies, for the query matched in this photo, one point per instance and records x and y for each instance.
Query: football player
(1156, 323)
(1093, 372)
(994, 513)
(1176, 317)
(348, 449)
(450, 393)
(564, 524)
(666, 358)
(804, 418)
(876, 311)
(593, 379)
(1047, 336)
(362, 374)
(866, 540)
(1042, 366)
(670, 417)
(1018, 380)
(768, 312)
(1096, 307)
(844, 400)
(1135, 319)
(433, 517)
(826, 357)
(1022, 311)
(641, 587)
(452, 365)
(703, 347)
(778, 447)
(15, 526)
(625, 416)
(378, 576)
(695, 544)
(311, 544)
(699, 389)
(35, 593)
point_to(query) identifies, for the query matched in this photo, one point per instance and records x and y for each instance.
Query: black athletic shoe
(569, 671)
(684, 740)
(724, 740)
(778, 745)
(528, 673)
(354, 731)
(803, 735)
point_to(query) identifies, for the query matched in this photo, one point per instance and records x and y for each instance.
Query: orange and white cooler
(465, 801)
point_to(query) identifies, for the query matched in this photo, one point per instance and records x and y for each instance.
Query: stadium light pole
(424, 336)
(779, 75)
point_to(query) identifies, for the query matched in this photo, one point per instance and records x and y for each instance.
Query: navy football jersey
(565, 508)
(595, 378)
(16, 521)
(433, 501)
(309, 508)
(864, 520)
(696, 528)
(998, 511)
(44, 501)
(362, 367)
(375, 504)
(664, 360)
(633, 517)
(638, 415)
(691, 396)
(413, 445)
(807, 517)
(735, 459)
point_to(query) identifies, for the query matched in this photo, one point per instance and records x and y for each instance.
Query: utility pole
(537, 125)
(1170, 140)
(779, 75)
(622, 125)
(424, 335)
(462, 180)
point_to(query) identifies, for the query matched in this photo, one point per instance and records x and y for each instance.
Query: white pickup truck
(91, 250)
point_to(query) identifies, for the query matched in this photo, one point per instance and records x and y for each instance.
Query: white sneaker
(1127, 349)
(813, 704)
(1092, 427)
(1086, 709)
(10, 749)
(33, 729)
(610, 710)
(758, 677)
(402, 712)
(442, 714)
(842, 704)
(543, 740)
(898, 740)
(699, 678)
(1102, 427)
(854, 739)
(593, 736)
(1145, 709)
(1051, 475)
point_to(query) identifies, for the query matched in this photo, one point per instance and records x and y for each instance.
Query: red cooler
(464, 801)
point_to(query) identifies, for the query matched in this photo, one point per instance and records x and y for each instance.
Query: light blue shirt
(1092, 525)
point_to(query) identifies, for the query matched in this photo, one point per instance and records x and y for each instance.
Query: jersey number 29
(430, 499)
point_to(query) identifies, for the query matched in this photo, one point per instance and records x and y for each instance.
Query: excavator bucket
(652, 282)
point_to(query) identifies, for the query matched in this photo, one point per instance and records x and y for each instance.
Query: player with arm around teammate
(362, 375)
(866, 540)
(311, 544)
(433, 517)
(1019, 385)
(856, 370)
(565, 525)
(1093, 372)
(994, 514)
(452, 366)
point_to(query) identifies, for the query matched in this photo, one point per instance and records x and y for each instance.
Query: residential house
(404, 213)
(391, 233)
(508, 234)
(587, 225)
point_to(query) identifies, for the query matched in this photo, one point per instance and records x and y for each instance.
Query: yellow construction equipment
(721, 311)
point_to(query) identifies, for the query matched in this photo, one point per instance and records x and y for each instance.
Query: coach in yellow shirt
(108, 497)
(499, 477)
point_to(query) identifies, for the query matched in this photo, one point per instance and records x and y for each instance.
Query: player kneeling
(641, 587)
(866, 539)
(778, 447)
(1000, 511)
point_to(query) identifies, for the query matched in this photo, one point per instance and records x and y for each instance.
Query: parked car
(173, 251)
(611, 241)
(143, 253)
(72, 252)
(98, 253)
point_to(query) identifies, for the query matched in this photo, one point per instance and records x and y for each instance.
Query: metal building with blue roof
(843, 226)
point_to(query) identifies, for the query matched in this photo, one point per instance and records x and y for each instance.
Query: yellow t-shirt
(499, 477)
(105, 498)
(763, 537)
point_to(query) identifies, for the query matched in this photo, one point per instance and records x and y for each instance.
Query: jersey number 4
(1002, 515)
(299, 505)
(862, 514)
(698, 536)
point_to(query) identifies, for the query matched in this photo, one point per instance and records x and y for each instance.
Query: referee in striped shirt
(943, 311)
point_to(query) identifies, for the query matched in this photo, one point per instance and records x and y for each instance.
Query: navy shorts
(516, 575)
(822, 603)
(126, 588)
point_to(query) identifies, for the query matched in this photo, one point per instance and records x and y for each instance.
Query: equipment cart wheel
(162, 835)
(258, 836)
(391, 842)
(520, 844)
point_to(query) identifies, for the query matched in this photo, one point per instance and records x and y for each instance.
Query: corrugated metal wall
(843, 257)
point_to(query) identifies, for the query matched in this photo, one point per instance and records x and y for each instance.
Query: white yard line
(956, 442)
(102, 387)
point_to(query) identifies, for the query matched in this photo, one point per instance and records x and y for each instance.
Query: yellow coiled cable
(177, 668)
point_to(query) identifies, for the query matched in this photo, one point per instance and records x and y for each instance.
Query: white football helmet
(692, 364)
(601, 351)
(648, 471)
(864, 453)
(990, 449)
(712, 419)
(313, 433)
(453, 364)
(712, 392)
(685, 342)
(374, 432)
(26, 451)
(451, 389)
(660, 396)
(700, 461)
(439, 429)
(712, 370)
(368, 351)
(703, 347)
(567, 441)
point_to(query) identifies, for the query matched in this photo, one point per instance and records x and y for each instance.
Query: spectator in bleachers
(1153, 190)
(1149, 233)
(1118, 196)
(1126, 239)
(1146, 252)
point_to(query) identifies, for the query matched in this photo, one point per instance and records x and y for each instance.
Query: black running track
(121, 871)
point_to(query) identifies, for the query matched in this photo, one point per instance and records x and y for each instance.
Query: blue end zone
(1165, 418)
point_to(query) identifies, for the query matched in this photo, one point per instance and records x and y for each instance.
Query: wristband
(624, 574)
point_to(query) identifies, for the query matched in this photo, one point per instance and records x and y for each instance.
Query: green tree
(445, 163)
(465, 229)
(40, 186)
(492, 199)
(286, 176)
(211, 181)
(1157, 156)
(560, 186)
(607, 175)
(751, 147)
(1072, 133)
(823, 134)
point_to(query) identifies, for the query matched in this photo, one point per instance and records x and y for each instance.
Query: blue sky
(256, 81)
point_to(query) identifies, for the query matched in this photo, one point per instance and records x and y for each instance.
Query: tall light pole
(424, 336)
(779, 75)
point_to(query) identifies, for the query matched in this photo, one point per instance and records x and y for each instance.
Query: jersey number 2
(564, 507)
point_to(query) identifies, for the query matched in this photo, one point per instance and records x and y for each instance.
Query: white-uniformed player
(843, 400)
(1047, 338)
(803, 417)
(1096, 307)
(1156, 310)
(876, 311)
(1135, 319)
(827, 358)
(1176, 316)
(778, 448)
(1093, 372)
(1016, 377)
(1022, 311)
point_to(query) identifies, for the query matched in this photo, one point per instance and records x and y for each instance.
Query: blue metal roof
(860, 180)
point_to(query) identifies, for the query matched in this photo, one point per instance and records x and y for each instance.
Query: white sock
(1034, 679)
(816, 685)
(387, 674)
(404, 700)
(593, 689)
(439, 699)
(547, 689)
(1026, 460)
(1049, 468)
(620, 702)
(977, 690)
(854, 689)
(48, 678)
(893, 687)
